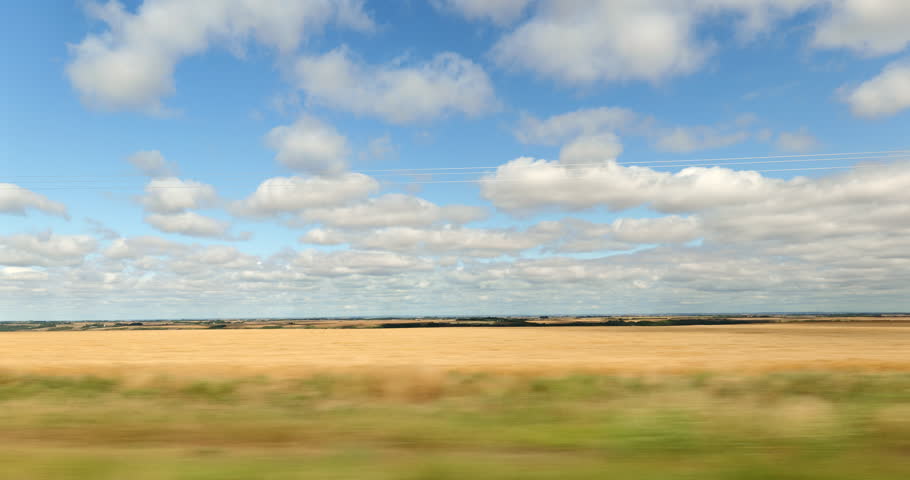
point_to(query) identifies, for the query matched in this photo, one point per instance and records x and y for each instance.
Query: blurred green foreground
(458, 426)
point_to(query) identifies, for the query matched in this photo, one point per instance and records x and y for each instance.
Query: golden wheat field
(633, 350)
(791, 401)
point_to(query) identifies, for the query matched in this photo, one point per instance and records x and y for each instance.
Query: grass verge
(409, 425)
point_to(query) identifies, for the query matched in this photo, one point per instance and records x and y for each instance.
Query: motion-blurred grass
(413, 425)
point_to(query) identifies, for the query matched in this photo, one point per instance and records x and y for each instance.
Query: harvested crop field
(626, 350)
(795, 401)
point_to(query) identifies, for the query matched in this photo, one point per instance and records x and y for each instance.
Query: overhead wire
(833, 156)
(79, 182)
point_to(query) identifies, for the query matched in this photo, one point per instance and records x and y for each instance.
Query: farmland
(871, 346)
(751, 401)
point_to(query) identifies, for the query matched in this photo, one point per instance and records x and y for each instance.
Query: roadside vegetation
(393, 424)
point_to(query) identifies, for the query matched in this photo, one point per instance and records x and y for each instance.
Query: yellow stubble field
(797, 401)
(863, 346)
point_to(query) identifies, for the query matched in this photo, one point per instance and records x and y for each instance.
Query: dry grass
(789, 426)
(622, 350)
(447, 403)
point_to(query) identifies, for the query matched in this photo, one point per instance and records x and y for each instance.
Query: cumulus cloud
(763, 244)
(381, 148)
(884, 95)
(309, 145)
(398, 93)
(587, 42)
(591, 149)
(152, 164)
(870, 27)
(701, 137)
(101, 230)
(566, 235)
(472, 242)
(866, 202)
(392, 209)
(168, 202)
(500, 12)
(669, 229)
(22, 274)
(586, 124)
(525, 184)
(586, 121)
(16, 200)
(173, 195)
(322, 236)
(352, 262)
(813, 219)
(137, 247)
(46, 249)
(572, 235)
(281, 195)
(188, 223)
(130, 65)
(800, 141)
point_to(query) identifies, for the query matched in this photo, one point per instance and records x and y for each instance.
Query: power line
(588, 165)
(834, 156)
(54, 185)
(759, 171)
(479, 180)
(657, 161)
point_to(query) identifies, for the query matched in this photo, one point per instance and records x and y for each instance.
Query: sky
(306, 158)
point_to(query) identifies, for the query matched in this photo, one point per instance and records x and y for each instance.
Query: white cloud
(309, 145)
(392, 209)
(829, 220)
(322, 236)
(46, 249)
(352, 262)
(575, 235)
(101, 230)
(589, 41)
(173, 195)
(130, 66)
(22, 274)
(591, 149)
(800, 141)
(137, 247)
(757, 243)
(866, 203)
(870, 27)
(585, 124)
(500, 12)
(381, 148)
(700, 137)
(472, 242)
(294, 194)
(152, 163)
(884, 95)
(403, 94)
(669, 229)
(526, 184)
(16, 200)
(220, 255)
(566, 235)
(188, 223)
(586, 42)
(586, 121)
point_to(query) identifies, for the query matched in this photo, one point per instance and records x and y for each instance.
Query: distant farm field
(631, 350)
(739, 402)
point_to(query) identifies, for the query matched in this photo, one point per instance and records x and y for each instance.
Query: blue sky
(168, 159)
